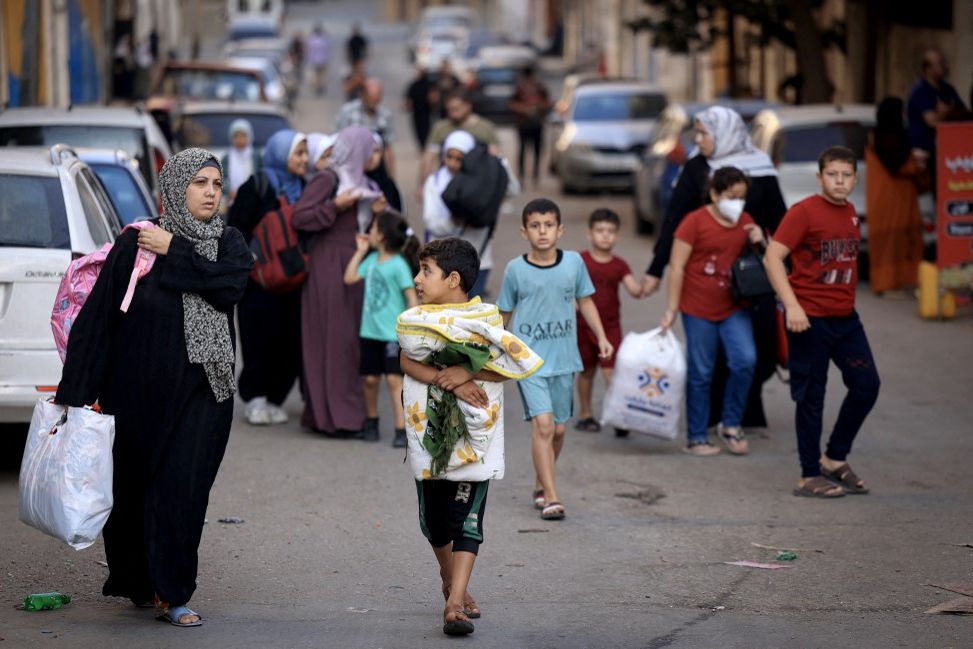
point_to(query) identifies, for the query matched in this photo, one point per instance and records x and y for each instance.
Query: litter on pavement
(757, 564)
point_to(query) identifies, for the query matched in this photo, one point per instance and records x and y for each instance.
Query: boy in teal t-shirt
(388, 292)
(540, 291)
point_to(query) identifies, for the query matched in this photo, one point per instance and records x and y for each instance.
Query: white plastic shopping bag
(66, 473)
(648, 385)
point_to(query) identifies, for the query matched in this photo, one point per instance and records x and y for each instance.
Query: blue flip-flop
(172, 615)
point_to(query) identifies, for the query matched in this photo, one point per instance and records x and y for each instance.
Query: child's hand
(605, 349)
(451, 378)
(347, 198)
(650, 284)
(472, 394)
(797, 320)
(668, 318)
(755, 233)
(361, 243)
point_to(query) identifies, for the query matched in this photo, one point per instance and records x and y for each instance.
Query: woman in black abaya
(164, 369)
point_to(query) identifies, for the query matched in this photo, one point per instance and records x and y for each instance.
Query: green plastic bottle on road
(45, 601)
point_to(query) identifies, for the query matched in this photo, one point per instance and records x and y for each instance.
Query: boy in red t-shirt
(821, 236)
(607, 271)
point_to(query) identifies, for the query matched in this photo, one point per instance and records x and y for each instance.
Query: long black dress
(170, 432)
(270, 324)
(767, 207)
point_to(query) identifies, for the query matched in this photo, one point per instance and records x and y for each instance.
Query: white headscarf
(317, 144)
(732, 144)
(239, 162)
(436, 215)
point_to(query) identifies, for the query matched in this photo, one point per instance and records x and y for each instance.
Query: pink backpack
(80, 278)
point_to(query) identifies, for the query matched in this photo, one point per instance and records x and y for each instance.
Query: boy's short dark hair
(460, 93)
(604, 215)
(541, 206)
(837, 154)
(724, 178)
(453, 254)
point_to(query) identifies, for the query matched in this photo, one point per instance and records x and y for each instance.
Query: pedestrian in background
(892, 203)
(537, 300)
(338, 203)
(357, 46)
(318, 55)
(270, 323)
(354, 82)
(459, 116)
(821, 236)
(418, 102)
(932, 100)
(708, 241)
(296, 51)
(530, 103)
(386, 261)
(241, 159)
(369, 112)
(607, 273)
(724, 141)
(445, 84)
(164, 370)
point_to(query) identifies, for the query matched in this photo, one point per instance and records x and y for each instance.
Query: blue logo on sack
(653, 382)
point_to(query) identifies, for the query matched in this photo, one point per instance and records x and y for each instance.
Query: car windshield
(243, 32)
(210, 84)
(212, 129)
(123, 191)
(803, 144)
(614, 106)
(496, 75)
(130, 140)
(32, 213)
(446, 22)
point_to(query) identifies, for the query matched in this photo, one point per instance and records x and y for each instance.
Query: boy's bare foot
(455, 622)
(470, 607)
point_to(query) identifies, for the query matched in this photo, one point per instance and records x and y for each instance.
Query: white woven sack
(66, 474)
(648, 385)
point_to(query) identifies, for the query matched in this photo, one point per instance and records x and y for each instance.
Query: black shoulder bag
(748, 276)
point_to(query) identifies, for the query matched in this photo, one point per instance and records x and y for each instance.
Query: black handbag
(748, 275)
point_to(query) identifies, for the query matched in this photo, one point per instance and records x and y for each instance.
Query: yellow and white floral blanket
(428, 328)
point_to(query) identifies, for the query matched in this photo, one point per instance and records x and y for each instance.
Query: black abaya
(170, 432)
(270, 323)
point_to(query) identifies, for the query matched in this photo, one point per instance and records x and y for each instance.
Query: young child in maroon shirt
(821, 236)
(607, 271)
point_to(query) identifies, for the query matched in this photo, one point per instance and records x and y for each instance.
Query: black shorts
(452, 512)
(379, 357)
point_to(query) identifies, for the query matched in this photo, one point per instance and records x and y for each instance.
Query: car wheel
(567, 188)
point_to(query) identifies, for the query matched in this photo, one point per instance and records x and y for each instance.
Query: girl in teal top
(386, 260)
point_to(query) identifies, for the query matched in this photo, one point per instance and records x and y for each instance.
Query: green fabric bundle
(445, 422)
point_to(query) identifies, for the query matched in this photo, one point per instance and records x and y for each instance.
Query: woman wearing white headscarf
(164, 369)
(241, 159)
(436, 216)
(724, 141)
(319, 149)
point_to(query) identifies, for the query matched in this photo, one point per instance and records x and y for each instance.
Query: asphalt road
(330, 554)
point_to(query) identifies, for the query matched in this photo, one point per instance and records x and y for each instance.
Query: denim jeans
(703, 340)
(843, 341)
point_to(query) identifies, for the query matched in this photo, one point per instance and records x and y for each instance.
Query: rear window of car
(804, 144)
(210, 84)
(32, 213)
(212, 129)
(130, 140)
(123, 192)
(496, 75)
(618, 106)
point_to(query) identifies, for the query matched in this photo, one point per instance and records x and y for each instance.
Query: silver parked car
(604, 133)
(52, 209)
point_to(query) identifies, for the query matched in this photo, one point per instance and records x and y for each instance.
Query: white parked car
(52, 209)
(131, 129)
(122, 182)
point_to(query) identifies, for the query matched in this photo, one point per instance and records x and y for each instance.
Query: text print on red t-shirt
(842, 251)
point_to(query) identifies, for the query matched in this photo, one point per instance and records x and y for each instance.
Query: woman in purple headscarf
(336, 204)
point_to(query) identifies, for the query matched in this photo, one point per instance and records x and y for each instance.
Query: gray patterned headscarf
(207, 330)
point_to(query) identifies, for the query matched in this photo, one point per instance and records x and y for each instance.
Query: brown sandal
(456, 622)
(845, 477)
(819, 487)
(470, 608)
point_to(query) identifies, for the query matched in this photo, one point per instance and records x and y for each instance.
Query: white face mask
(730, 208)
